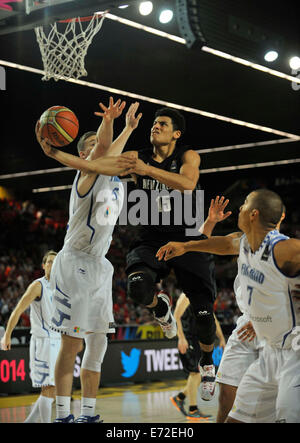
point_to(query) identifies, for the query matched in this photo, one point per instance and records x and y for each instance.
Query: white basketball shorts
(43, 354)
(237, 356)
(270, 389)
(83, 293)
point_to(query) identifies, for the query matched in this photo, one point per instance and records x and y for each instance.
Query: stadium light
(294, 63)
(166, 16)
(271, 56)
(145, 8)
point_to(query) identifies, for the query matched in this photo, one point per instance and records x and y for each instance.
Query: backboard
(36, 5)
(22, 15)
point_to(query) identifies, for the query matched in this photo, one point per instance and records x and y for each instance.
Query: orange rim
(82, 19)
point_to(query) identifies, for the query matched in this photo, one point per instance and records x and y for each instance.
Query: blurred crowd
(28, 231)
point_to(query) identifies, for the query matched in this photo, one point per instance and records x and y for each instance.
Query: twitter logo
(130, 362)
(217, 355)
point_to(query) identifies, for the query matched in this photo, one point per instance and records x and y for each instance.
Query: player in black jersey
(190, 356)
(189, 335)
(169, 167)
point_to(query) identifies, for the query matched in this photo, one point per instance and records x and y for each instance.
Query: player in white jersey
(238, 354)
(241, 350)
(82, 276)
(237, 357)
(269, 269)
(44, 342)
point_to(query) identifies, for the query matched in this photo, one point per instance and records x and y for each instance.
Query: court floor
(140, 403)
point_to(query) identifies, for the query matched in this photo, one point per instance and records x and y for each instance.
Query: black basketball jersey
(169, 212)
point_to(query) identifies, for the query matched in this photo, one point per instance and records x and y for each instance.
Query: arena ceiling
(221, 97)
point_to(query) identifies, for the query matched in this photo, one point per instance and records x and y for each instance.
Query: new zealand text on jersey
(151, 184)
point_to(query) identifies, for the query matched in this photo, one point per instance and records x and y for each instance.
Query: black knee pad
(205, 323)
(203, 311)
(190, 360)
(141, 287)
(206, 327)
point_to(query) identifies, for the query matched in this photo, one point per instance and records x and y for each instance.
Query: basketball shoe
(208, 382)
(179, 404)
(69, 419)
(167, 323)
(197, 415)
(88, 419)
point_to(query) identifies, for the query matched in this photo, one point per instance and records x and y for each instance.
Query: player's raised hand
(114, 110)
(44, 142)
(170, 250)
(132, 121)
(216, 209)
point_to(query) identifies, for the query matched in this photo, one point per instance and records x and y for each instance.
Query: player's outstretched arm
(214, 245)
(216, 214)
(186, 180)
(105, 131)
(33, 291)
(132, 122)
(102, 165)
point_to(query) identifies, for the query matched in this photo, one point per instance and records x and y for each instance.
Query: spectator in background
(146, 318)
(26, 258)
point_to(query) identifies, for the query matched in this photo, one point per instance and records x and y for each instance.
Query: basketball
(60, 125)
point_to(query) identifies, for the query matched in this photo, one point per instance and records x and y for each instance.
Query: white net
(63, 51)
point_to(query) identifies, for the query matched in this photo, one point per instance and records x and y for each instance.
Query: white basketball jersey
(266, 292)
(92, 216)
(238, 294)
(41, 312)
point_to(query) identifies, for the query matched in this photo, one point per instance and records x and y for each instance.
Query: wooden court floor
(140, 403)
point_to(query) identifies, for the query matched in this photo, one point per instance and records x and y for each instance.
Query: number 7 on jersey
(250, 289)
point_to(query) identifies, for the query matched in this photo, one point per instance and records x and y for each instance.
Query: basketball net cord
(63, 53)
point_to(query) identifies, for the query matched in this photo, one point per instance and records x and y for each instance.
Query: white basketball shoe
(168, 322)
(208, 382)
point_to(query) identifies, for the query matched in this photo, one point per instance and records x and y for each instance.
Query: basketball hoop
(65, 46)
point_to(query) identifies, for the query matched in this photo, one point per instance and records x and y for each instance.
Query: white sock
(45, 407)
(63, 406)
(35, 413)
(88, 406)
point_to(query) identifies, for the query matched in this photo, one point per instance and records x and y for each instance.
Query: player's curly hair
(177, 118)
